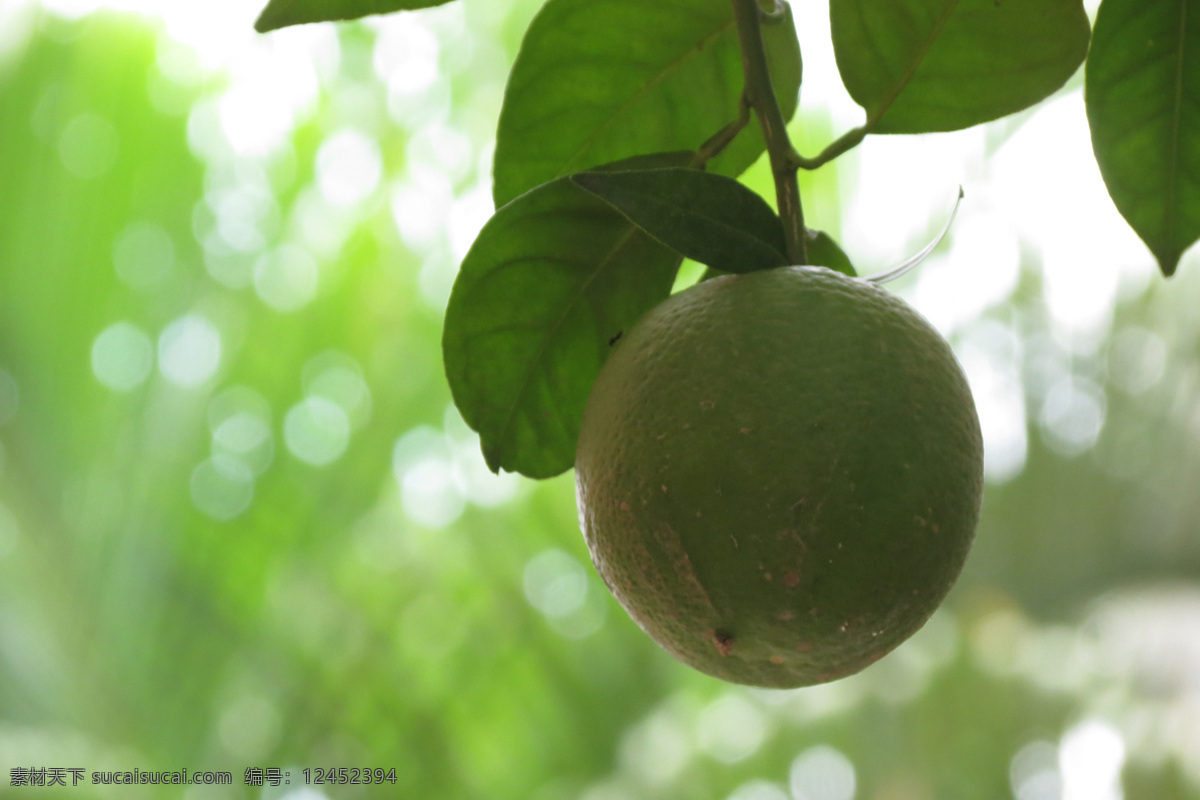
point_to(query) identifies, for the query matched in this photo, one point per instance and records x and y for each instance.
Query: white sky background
(1038, 191)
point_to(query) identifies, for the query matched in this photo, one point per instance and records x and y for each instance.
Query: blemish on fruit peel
(723, 641)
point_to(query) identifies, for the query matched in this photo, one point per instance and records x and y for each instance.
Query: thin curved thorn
(905, 266)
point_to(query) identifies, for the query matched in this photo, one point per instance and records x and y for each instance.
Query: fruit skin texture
(779, 474)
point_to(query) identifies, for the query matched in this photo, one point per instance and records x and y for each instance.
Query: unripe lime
(779, 474)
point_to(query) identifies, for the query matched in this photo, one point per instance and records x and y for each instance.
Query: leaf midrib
(668, 69)
(511, 415)
(890, 98)
(1171, 216)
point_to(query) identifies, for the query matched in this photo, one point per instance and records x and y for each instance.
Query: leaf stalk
(719, 141)
(847, 141)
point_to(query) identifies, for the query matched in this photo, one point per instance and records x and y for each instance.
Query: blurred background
(242, 525)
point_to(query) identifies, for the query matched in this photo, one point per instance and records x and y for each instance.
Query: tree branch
(761, 97)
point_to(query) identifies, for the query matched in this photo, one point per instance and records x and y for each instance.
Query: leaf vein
(658, 79)
(915, 63)
(602, 265)
(1171, 215)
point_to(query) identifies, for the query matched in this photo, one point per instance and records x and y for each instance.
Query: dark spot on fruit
(723, 640)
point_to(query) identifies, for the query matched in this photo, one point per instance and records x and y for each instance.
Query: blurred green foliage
(241, 525)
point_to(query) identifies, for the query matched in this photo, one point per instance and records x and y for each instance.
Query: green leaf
(823, 251)
(708, 218)
(552, 278)
(600, 80)
(941, 65)
(1142, 92)
(282, 13)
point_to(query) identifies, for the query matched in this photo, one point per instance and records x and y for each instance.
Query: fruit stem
(761, 97)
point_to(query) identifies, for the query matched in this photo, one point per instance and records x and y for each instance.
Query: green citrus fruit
(779, 474)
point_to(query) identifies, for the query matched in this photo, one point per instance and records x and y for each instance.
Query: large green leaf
(940, 65)
(552, 278)
(601, 80)
(709, 218)
(1143, 105)
(282, 13)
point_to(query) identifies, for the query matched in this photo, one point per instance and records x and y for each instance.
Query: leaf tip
(1168, 258)
(491, 457)
(267, 21)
